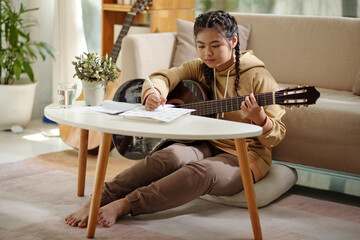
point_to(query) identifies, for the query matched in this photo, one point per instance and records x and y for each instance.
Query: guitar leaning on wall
(190, 94)
(71, 135)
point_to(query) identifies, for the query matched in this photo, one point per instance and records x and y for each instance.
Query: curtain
(69, 41)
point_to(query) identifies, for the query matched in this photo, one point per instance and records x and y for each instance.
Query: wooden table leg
(100, 172)
(248, 187)
(84, 136)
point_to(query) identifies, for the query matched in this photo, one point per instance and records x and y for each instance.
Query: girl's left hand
(253, 111)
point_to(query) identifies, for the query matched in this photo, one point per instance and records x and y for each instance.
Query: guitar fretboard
(206, 108)
(124, 30)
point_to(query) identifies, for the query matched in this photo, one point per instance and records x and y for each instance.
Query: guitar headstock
(298, 96)
(139, 6)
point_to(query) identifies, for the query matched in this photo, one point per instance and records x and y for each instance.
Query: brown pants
(174, 176)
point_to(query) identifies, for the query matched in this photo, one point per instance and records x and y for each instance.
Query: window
(334, 8)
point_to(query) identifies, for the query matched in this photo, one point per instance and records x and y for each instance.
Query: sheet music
(162, 114)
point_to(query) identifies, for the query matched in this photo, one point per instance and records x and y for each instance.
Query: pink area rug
(38, 193)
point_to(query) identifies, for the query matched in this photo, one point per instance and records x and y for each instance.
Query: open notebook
(165, 113)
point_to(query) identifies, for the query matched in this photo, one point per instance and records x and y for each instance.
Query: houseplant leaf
(17, 49)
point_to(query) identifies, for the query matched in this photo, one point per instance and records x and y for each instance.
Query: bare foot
(80, 217)
(110, 212)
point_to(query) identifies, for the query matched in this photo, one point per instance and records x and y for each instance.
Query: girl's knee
(169, 157)
(218, 177)
(205, 170)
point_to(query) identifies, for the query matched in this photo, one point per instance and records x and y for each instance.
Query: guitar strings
(204, 108)
(227, 105)
(231, 104)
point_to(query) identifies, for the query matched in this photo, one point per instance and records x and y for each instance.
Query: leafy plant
(17, 50)
(90, 67)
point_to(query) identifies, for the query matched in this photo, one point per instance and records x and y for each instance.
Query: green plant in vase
(17, 54)
(95, 72)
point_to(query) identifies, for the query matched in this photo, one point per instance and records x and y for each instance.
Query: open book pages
(167, 113)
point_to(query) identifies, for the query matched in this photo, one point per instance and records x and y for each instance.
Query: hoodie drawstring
(226, 87)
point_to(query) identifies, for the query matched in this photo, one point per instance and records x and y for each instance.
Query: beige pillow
(185, 47)
(277, 182)
(356, 87)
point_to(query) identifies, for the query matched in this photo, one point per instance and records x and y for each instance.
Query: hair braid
(237, 67)
(227, 26)
(209, 74)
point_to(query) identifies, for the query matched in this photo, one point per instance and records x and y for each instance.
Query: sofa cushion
(356, 87)
(324, 135)
(143, 54)
(185, 47)
(278, 181)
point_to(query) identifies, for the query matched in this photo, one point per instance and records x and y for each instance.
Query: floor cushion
(278, 181)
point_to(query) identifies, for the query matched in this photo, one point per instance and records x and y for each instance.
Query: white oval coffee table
(183, 128)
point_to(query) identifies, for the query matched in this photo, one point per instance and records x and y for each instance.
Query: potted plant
(95, 72)
(17, 53)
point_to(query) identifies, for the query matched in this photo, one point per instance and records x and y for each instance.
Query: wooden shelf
(163, 15)
(116, 7)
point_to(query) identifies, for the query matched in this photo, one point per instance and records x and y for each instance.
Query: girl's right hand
(152, 102)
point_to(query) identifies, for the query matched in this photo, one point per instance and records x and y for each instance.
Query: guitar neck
(124, 30)
(206, 108)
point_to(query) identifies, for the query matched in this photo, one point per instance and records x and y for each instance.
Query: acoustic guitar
(192, 95)
(71, 135)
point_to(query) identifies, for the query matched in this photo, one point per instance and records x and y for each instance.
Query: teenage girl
(180, 172)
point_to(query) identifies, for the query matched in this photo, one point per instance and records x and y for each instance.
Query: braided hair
(227, 26)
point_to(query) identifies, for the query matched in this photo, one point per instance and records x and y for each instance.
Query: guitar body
(135, 148)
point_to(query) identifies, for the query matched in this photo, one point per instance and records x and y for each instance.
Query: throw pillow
(185, 46)
(356, 87)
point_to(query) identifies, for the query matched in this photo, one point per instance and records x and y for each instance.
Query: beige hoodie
(255, 79)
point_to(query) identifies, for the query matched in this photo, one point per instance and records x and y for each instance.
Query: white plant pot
(16, 104)
(94, 92)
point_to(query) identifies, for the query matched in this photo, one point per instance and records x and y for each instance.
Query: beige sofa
(317, 51)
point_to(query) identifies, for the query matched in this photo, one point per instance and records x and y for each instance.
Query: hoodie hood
(247, 61)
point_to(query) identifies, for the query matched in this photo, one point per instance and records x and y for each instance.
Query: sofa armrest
(143, 54)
